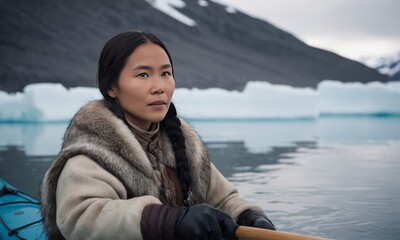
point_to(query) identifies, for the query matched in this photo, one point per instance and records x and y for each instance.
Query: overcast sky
(351, 28)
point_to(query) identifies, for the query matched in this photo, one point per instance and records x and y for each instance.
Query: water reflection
(25, 171)
(234, 146)
(234, 157)
(21, 170)
(37, 139)
(334, 177)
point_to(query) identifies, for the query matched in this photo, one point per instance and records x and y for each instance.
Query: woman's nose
(158, 86)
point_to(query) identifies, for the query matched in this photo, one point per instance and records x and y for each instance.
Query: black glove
(194, 222)
(256, 219)
(204, 222)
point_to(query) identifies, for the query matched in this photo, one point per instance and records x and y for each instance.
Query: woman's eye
(143, 75)
(166, 73)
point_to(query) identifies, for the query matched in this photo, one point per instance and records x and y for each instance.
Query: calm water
(332, 177)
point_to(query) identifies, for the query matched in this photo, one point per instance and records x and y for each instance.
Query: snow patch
(169, 7)
(230, 9)
(389, 65)
(203, 3)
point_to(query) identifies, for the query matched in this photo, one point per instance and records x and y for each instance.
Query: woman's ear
(112, 93)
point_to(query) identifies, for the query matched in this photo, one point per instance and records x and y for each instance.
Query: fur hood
(97, 133)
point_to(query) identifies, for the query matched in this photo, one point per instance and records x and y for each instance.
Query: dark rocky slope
(60, 41)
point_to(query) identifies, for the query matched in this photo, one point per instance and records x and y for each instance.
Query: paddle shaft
(251, 233)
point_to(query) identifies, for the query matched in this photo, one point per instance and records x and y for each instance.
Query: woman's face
(145, 85)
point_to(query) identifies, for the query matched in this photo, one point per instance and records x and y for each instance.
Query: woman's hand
(193, 222)
(263, 222)
(256, 219)
(204, 222)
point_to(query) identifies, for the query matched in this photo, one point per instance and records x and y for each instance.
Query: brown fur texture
(97, 133)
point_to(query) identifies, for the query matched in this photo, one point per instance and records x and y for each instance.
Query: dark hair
(112, 60)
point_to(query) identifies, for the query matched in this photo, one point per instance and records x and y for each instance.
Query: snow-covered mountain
(212, 45)
(389, 65)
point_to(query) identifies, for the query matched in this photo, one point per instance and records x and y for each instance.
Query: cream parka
(98, 185)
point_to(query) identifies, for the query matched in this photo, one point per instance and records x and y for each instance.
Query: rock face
(60, 41)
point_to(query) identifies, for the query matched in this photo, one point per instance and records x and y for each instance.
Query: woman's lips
(158, 102)
(158, 105)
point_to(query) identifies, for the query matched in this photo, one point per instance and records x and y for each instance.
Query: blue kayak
(20, 216)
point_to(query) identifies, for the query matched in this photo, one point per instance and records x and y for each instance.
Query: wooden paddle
(251, 233)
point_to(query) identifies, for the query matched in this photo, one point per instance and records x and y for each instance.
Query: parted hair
(112, 60)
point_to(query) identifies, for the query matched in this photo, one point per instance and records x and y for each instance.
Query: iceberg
(47, 102)
(374, 98)
(258, 100)
(44, 102)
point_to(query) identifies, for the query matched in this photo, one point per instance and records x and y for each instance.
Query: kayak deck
(20, 216)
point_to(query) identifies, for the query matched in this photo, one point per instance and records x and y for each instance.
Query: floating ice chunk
(44, 102)
(356, 98)
(259, 100)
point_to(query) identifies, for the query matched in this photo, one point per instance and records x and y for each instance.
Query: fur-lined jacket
(99, 184)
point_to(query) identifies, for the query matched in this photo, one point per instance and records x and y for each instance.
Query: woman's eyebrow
(145, 67)
(142, 67)
(166, 66)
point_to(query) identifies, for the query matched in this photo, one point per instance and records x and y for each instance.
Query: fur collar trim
(97, 133)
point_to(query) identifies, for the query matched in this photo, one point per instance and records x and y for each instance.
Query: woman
(130, 169)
